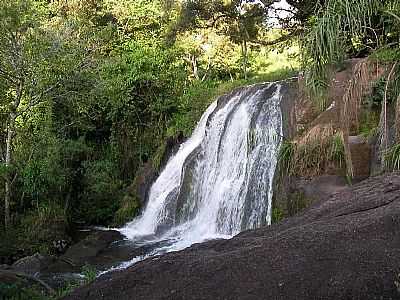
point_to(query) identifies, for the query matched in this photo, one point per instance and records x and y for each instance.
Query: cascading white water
(220, 180)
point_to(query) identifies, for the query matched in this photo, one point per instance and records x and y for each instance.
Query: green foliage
(158, 156)
(386, 55)
(297, 202)
(204, 93)
(337, 150)
(330, 37)
(286, 157)
(101, 192)
(40, 227)
(67, 289)
(141, 20)
(392, 158)
(369, 123)
(215, 56)
(128, 209)
(89, 273)
(35, 232)
(344, 29)
(241, 23)
(277, 215)
(311, 157)
(41, 175)
(273, 60)
(142, 85)
(18, 291)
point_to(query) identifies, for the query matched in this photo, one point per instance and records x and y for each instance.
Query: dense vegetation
(89, 92)
(91, 89)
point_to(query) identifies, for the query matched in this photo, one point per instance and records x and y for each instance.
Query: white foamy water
(220, 180)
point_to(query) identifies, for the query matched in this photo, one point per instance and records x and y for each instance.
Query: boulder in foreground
(346, 247)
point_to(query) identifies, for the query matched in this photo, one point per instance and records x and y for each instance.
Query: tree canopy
(90, 90)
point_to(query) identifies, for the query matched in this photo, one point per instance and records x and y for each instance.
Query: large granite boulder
(89, 251)
(33, 264)
(345, 247)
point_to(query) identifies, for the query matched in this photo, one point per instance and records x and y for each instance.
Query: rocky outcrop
(360, 152)
(346, 247)
(89, 251)
(288, 104)
(33, 264)
(299, 193)
(310, 126)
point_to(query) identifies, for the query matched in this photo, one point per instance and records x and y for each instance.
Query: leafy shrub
(19, 292)
(35, 232)
(277, 215)
(42, 226)
(102, 190)
(369, 122)
(285, 157)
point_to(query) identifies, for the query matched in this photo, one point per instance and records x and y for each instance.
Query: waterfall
(220, 180)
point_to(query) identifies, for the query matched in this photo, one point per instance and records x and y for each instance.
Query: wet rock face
(345, 247)
(360, 157)
(34, 264)
(86, 252)
(295, 194)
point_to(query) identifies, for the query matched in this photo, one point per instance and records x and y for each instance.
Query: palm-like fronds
(325, 43)
(393, 15)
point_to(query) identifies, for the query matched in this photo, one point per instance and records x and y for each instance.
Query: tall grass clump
(285, 157)
(312, 156)
(392, 158)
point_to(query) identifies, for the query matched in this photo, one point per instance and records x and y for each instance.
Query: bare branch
(8, 76)
(37, 99)
(281, 39)
(283, 9)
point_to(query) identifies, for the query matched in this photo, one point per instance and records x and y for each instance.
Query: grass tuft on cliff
(312, 156)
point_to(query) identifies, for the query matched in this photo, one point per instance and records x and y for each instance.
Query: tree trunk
(194, 66)
(244, 54)
(7, 196)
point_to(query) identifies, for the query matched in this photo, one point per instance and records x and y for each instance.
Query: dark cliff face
(346, 247)
(290, 94)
